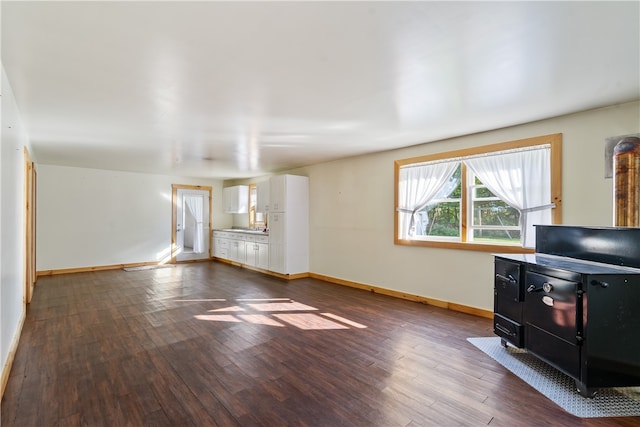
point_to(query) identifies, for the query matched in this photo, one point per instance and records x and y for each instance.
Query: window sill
(480, 247)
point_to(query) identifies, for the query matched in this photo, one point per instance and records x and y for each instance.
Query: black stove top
(570, 264)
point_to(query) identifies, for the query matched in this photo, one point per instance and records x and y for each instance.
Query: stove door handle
(508, 278)
(599, 283)
(532, 288)
(505, 330)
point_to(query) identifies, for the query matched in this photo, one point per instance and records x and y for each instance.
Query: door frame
(174, 217)
(30, 226)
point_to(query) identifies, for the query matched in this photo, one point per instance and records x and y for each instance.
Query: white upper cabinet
(277, 192)
(288, 192)
(236, 199)
(263, 196)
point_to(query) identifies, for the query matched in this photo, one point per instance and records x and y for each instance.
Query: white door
(192, 225)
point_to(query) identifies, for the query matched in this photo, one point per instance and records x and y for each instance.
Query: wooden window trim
(553, 140)
(253, 213)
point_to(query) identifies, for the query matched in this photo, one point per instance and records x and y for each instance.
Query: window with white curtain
(485, 198)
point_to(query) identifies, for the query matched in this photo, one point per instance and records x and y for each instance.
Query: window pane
(483, 192)
(440, 219)
(496, 236)
(492, 221)
(495, 212)
(453, 189)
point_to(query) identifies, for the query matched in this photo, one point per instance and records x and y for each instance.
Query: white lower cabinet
(263, 255)
(237, 250)
(243, 248)
(257, 252)
(220, 246)
(277, 258)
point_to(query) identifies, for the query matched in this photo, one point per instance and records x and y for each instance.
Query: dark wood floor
(210, 344)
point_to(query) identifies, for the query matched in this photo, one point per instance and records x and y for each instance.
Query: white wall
(12, 226)
(352, 209)
(90, 217)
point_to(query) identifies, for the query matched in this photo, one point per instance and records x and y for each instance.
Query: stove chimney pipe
(626, 183)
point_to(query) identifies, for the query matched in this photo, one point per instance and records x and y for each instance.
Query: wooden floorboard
(210, 344)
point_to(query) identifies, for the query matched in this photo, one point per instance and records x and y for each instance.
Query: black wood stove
(575, 303)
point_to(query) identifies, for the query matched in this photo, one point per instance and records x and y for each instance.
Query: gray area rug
(560, 388)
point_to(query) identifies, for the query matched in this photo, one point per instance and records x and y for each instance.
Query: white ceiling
(241, 89)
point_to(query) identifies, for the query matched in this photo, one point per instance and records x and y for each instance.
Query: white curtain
(523, 180)
(195, 204)
(417, 185)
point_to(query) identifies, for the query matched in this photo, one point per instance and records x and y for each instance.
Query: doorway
(191, 223)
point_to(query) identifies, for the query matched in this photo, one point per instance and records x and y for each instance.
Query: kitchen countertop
(244, 231)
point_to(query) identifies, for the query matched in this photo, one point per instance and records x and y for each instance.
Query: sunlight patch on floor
(308, 321)
(260, 319)
(278, 312)
(282, 306)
